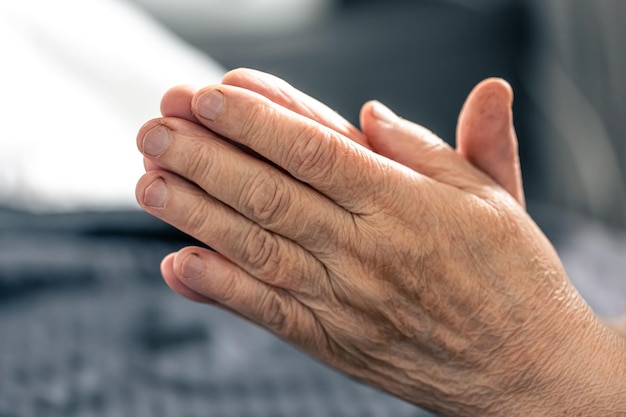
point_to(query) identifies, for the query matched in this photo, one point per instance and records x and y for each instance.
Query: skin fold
(386, 254)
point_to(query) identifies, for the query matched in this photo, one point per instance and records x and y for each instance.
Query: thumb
(418, 148)
(486, 136)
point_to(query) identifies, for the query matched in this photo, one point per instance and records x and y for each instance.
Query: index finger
(281, 92)
(342, 170)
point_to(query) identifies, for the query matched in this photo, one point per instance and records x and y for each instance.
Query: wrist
(584, 376)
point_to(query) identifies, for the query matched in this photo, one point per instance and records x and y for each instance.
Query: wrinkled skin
(427, 280)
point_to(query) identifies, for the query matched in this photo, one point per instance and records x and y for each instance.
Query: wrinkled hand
(485, 132)
(437, 288)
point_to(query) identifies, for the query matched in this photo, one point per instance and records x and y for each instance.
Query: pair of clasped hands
(382, 252)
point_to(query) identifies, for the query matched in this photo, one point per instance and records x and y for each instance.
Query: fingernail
(210, 104)
(155, 140)
(155, 194)
(192, 267)
(383, 113)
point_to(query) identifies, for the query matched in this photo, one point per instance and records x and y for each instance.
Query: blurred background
(88, 327)
(566, 60)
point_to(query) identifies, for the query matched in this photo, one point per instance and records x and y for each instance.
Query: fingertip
(149, 191)
(494, 85)
(382, 113)
(492, 97)
(140, 189)
(176, 102)
(267, 85)
(397, 138)
(145, 128)
(150, 165)
(486, 114)
(243, 76)
(176, 284)
(189, 264)
(365, 116)
(366, 108)
(167, 265)
(374, 129)
(375, 116)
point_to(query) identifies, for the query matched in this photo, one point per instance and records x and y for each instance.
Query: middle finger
(255, 189)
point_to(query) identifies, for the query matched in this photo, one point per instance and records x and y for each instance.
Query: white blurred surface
(77, 80)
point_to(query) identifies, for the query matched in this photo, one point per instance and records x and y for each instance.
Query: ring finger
(262, 254)
(257, 190)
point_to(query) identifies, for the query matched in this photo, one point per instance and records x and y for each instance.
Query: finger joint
(261, 253)
(275, 310)
(265, 199)
(311, 155)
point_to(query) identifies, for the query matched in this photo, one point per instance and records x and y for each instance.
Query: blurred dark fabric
(87, 326)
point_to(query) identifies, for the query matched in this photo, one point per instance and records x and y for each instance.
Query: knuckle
(274, 310)
(265, 199)
(312, 153)
(273, 261)
(261, 252)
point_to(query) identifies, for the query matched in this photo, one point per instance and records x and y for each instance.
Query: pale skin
(415, 269)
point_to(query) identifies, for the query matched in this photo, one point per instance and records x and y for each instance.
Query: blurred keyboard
(88, 328)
